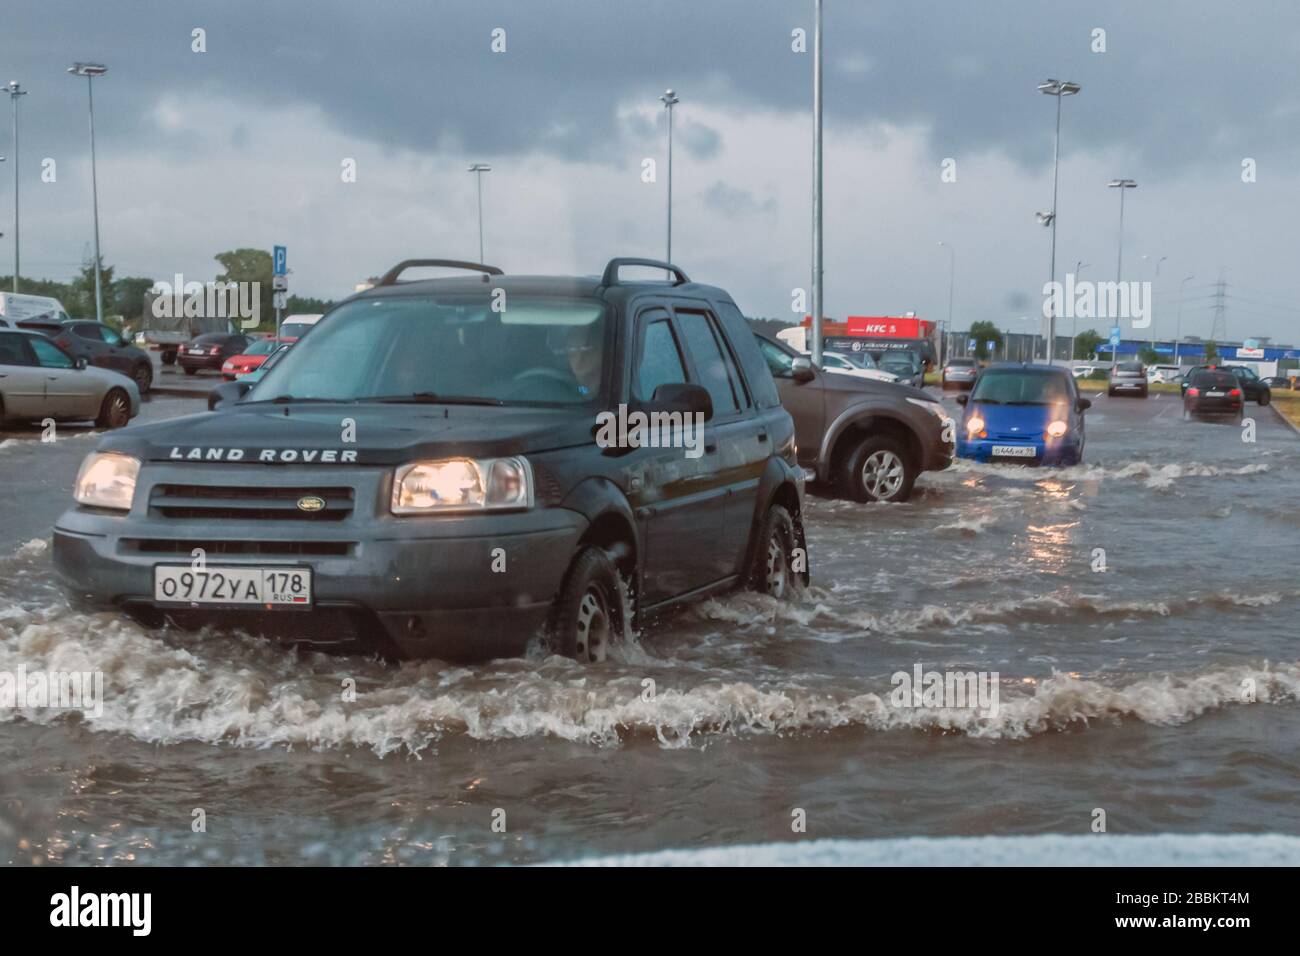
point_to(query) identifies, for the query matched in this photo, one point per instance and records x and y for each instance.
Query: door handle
(762, 436)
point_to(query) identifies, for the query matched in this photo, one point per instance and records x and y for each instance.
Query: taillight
(1235, 393)
(214, 351)
(1193, 391)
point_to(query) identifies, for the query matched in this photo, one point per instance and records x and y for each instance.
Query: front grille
(249, 503)
(168, 546)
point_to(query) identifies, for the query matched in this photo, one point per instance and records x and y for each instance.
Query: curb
(1285, 421)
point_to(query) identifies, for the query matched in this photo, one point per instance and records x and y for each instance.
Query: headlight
(107, 480)
(462, 484)
(1057, 429)
(974, 425)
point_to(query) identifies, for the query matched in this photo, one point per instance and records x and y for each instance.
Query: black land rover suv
(448, 467)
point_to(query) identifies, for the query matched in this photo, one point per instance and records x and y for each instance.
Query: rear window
(211, 338)
(963, 362)
(1214, 380)
(1130, 366)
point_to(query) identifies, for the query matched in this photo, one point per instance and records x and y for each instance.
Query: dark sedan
(211, 350)
(1213, 392)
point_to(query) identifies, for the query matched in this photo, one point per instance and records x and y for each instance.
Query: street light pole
(1121, 185)
(670, 99)
(1178, 336)
(1079, 266)
(15, 91)
(817, 186)
(1060, 90)
(90, 71)
(479, 169)
(952, 280)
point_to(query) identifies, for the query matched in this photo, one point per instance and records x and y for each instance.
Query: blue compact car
(1028, 414)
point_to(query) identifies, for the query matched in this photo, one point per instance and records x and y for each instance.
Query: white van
(15, 306)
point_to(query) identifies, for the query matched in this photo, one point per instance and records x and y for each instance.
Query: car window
(109, 335)
(712, 363)
(659, 361)
(49, 355)
(87, 330)
(778, 360)
(13, 350)
(834, 361)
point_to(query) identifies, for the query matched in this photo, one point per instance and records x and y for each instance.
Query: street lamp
(90, 71)
(478, 169)
(817, 186)
(1060, 90)
(1151, 305)
(670, 100)
(1121, 185)
(15, 91)
(952, 279)
(1178, 336)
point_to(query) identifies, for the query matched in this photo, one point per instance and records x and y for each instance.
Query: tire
(169, 358)
(587, 615)
(142, 374)
(772, 569)
(879, 469)
(1265, 398)
(189, 370)
(115, 410)
(1110, 393)
(1144, 392)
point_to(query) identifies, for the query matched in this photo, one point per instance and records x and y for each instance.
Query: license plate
(1015, 451)
(269, 587)
(196, 351)
(1214, 394)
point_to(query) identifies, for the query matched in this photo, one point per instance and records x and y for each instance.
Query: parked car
(477, 447)
(1277, 381)
(865, 440)
(295, 327)
(99, 344)
(906, 365)
(959, 373)
(39, 380)
(1163, 373)
(233, 391)
(843, 365)
(1127, 377)
(238, 366)
(1255, 388)
(1213, 392)
(1026, 414)
(211, 350)
(16, 306)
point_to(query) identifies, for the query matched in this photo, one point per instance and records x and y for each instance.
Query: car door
(69, 391)
(805, 401)
(673, 499)
(22, 382)
(118, 354)
(736, 439)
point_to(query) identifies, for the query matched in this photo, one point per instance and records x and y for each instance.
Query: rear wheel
(587, 615)
(1265, 398)
(115, 410)
(169, 358)
(772, 570)
(143, 376)
(879, 469)
(189, 369)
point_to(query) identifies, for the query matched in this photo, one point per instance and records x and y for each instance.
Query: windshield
(1015, 386)
(858, 359)
(262, 347)
(900, 360)
(537, 350)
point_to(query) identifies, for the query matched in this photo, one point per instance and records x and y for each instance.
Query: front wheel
(775, 569)
(143, 376)
(1265, 398)
(587, 615)
(115, 410)
(879, 469)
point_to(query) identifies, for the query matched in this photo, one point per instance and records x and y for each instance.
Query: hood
(304, 434)
(872, 388)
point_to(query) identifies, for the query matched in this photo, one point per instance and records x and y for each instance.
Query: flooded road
(1139, 613)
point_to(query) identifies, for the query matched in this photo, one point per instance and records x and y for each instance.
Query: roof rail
(390, 277)
(611, 271)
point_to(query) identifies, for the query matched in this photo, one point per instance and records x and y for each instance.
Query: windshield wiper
(432, 398)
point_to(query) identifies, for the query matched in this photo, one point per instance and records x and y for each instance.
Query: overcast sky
(243, 145)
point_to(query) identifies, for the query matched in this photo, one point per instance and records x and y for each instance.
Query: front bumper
(200, 361)
(1055, 452)
(452, 586)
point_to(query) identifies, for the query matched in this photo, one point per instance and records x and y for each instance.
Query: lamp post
(1178, 336)
(90, 71)
(478, 169)
(952, 279)
(670, 99)
(15, 91)
(1121, 185)
(817, 186)
(1058, 89)
(1079, 266)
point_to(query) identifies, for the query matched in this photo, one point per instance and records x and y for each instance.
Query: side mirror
(1084, 404)
(227, 393)
(79, 363)
(801, 369)
(681, 397)
(963, 399)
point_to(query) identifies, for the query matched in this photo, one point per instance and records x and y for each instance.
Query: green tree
(251, 265)
(299, 305)
(1148, 355)
(984, 333)
(1086, 343)
(1211, 353)
(80, 301)
(128, 298)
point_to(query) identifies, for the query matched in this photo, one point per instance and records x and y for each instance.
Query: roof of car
(577, 286)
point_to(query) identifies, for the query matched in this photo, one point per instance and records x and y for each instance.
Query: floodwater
(1137, 616)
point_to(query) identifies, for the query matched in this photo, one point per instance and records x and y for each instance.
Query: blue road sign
(988, 346)
(971, 345)
(281, 256)
(1114, 335)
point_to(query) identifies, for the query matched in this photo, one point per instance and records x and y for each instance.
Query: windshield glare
(1020, 387)
(539, 350)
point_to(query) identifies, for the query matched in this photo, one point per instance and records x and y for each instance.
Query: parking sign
(281, 257)
(1114, 335)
